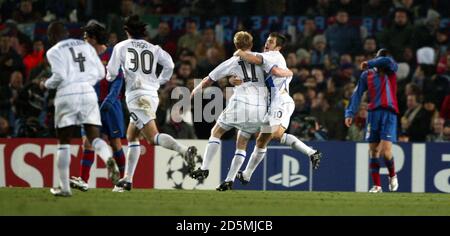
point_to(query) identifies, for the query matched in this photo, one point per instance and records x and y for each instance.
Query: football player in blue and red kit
(380, 80)
(113, 128)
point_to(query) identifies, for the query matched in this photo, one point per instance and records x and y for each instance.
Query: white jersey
(76, 63)
(253, 89)
(281, 105)
(272, 59)
(247, 107)
(138, 59)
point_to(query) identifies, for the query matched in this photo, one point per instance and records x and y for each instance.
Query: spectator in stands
(291, 60)
(209, 41)
(329, 117)
(165, 39)
(344, 75)
(34, 58)
(177, 127)
(441, 43)
(213, 59)
(416, 10)
(370, 47)
(115, 23)
(184, 71)
(10, 61)
(375, 8)
(342, 37)
(190, 39)
(305, 38)
(10, 96)
(5, 131)
(438, 131)
(320, 56)
(409, 57)
(25, 13)
(322, 8)
(445, 108)
(446, 131)
(415, 121)
(356, 130)
(429, 104)
(424, 33)
(403, 31)
(353, 7)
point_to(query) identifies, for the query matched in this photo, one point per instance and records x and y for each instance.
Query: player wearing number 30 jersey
(138, 58)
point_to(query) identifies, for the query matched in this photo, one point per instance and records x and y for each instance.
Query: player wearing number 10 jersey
(138, 58)
(246, 110)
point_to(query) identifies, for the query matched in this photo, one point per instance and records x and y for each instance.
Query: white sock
(102, 149)
(133, 154)
(64, 166)
(210, 152)
(296, 144)
(236, 164)
(169, 142)
(256, 157)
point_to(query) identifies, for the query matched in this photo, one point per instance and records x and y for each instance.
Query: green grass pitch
(39, 201)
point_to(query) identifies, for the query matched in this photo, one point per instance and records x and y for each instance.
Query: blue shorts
(113, 124)
(381, 125)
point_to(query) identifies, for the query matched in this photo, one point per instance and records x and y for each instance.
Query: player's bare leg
(374, 153)
(152, 135)
(63, 163)
(298, 145)
(238, 160)
(211, 149)
(386, 152)
(256, 157)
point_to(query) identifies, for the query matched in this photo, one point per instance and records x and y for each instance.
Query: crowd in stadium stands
(325, 63)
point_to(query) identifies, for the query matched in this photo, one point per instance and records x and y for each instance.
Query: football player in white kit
(76, 68)
(245, 111)
(138, 58)
(280, 110)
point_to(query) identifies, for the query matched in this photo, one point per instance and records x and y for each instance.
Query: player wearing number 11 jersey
(138, 58)
(245, 111)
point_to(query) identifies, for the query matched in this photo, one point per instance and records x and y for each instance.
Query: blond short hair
(243, 40)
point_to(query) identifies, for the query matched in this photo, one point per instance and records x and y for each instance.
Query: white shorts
(281, 114)
(241, 115)
(142, 109)
(77, 109)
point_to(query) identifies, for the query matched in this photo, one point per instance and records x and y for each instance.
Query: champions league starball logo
(178, 173)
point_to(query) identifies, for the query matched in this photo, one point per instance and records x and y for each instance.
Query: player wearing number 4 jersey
(75, 69)
(138, 58)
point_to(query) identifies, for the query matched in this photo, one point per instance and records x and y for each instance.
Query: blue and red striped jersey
(382, 90)
(105, 89)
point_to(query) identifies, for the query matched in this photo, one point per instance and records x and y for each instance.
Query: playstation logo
(289, 176)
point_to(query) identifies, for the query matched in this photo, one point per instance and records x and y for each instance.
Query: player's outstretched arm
(206, 82)
(248, 57)
(279, 72)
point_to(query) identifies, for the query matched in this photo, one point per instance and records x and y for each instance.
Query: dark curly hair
(135, 27)
(94, 30)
